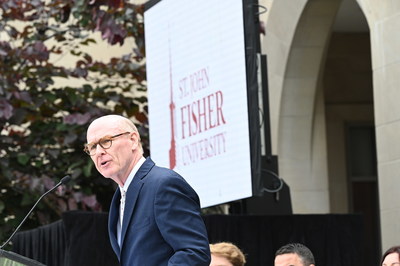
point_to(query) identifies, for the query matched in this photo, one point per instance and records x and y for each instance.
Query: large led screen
(197, 95)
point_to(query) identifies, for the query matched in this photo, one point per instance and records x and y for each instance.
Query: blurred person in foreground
(391, 257)
(226, 254)
(294, 254)
(154, 216)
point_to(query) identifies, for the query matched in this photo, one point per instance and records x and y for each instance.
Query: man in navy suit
(154, 217)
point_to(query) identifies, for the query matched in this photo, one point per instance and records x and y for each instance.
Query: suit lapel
(113, 220)
(133, 194)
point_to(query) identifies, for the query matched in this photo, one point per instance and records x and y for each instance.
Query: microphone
(63, 181)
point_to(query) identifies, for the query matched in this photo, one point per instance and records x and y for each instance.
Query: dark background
(81, 238)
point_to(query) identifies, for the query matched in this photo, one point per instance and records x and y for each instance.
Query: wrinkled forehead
(104, 126)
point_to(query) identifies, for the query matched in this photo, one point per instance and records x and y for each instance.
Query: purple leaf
(6, 109)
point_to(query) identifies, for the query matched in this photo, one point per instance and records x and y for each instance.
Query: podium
(8, 258)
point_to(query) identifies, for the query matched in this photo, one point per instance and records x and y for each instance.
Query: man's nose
(100, 150)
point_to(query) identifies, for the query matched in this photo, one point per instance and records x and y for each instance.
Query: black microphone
(63, 181)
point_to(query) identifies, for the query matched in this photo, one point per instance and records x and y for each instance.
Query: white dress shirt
(123, 190)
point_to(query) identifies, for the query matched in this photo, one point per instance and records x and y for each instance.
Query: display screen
(197, 95)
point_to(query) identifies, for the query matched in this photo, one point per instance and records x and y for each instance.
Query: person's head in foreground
(294, 254)
(391, 257)
(226, 254)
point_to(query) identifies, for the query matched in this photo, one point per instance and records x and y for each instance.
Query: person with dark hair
(294, 254)
(391, 257)
(226, 254)
(154, 216)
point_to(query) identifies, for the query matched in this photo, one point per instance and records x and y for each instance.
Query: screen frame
(252, 50)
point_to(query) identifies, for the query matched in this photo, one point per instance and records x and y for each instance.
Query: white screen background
(196, 50)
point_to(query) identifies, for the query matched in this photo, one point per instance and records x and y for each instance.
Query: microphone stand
(64, 180)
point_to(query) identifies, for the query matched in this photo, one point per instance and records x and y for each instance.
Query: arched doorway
(349, 109)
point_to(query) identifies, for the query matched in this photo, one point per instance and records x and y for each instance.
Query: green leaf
(88, 41)
(26, 200)
(23, 158)
(87, 169)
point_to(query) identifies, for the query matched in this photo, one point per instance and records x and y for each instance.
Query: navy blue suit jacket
(162, 224)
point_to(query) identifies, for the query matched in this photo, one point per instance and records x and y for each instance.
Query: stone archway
(296, 55)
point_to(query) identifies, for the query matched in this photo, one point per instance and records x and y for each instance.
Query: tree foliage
(44, 113)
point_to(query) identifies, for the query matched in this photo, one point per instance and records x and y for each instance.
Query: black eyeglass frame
(90, 149)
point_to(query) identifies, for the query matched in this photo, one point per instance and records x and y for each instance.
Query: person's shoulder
(164, 174)
(167, 176)
(165, 171)
(158, 168)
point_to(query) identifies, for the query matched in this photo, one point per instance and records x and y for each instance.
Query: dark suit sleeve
(177, 213)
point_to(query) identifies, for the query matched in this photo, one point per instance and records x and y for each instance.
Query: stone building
(333, 78)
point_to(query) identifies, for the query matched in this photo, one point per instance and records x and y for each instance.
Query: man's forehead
(288, 259)
(106, 120)
(98, 130)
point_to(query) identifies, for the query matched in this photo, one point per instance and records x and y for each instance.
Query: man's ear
(135, 138)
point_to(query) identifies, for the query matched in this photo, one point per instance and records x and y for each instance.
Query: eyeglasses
(104, 142)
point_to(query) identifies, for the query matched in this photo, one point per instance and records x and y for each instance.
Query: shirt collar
(131, 175)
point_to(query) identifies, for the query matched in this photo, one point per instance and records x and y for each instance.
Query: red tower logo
(172, 150)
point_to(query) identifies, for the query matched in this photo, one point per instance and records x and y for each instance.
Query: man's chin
(106, 174)
(115, 179)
